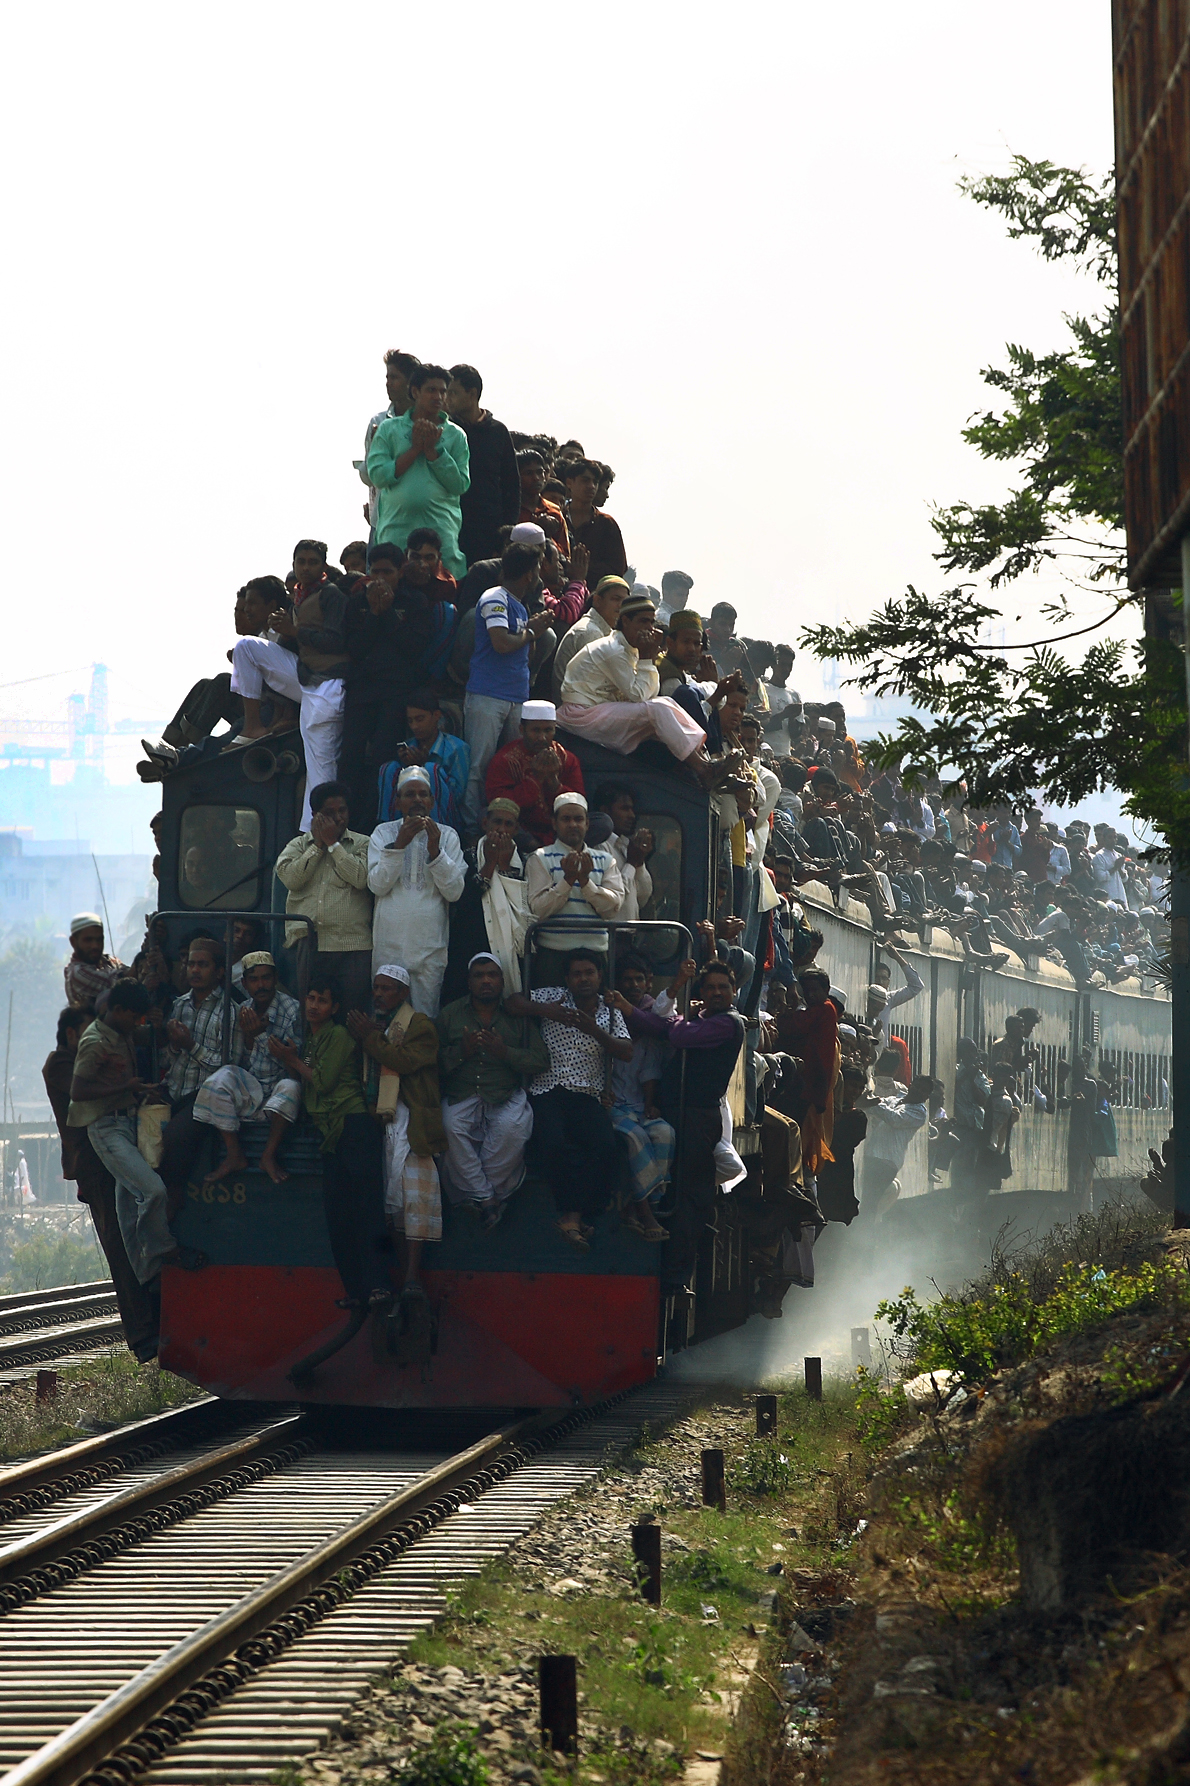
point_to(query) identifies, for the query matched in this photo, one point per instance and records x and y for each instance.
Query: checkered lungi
(412, 1194)
(233, 1095)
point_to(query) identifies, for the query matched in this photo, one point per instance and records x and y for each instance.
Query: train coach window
(664, 865)
(219, 858)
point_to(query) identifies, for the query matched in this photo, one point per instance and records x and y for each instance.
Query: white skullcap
(84, 921)
(878, 993)
(571, 800)
(483, 956)
(539, 710)
(415, 772)
(393, 971)
(527, 533)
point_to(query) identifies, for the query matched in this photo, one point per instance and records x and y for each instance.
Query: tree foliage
(1013, 723)
(1062, 421)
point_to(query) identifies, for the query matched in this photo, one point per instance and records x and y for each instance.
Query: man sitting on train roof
(610, 693)
(599, 622)
(401, 1091)
(566, 880)
(708, 1040)
(255, 1086)
(484, 1065)
(326, 872)
(491, 912)
(89, 972)
(688, 675)
(307, 663)
(419, 465)
(416, 871)
(534, 769)
(575, 1143)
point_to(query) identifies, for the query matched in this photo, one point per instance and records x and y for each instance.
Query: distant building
(47, 882)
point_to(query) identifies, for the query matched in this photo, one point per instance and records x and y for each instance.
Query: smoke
(924, 1244)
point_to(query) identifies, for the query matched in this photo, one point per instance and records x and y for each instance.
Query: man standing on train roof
(494, 498)
(390, 631)
(610, 693)
(534, 769)
(531, 468)
(675, 593)
(566, 880)
(498, 681)
(325, 870)
(306, 660)
(419, 465)
(589, 526)
(416, 871)
(689, 1097)
(401, 1091)
(484, 1065)
(256, 1088)
(397, 367)
(90, 971)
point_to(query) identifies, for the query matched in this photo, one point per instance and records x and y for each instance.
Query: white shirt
(638, 882)
(1059, 867)
(1105, 865)
(891, 1125)
(592, 626)
(609, 670)
(411, 922)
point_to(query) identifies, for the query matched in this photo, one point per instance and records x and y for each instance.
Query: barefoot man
(261, 1087)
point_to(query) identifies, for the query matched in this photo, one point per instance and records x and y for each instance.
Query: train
(520, 1319)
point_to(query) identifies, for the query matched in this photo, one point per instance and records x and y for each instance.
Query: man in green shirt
(104, 1093)
(419, 464)
(484, 1064)
(352, 1169)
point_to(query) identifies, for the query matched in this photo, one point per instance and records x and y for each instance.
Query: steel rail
(121, 1519)
(56, 1312)
(91, 1739)
(22, 1299)
(39, 1481)
(42, 1345)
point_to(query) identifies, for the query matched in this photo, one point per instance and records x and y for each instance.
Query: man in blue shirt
(499, 678)
(419, 465)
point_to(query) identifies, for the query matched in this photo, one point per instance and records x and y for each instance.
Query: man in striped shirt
(195, 1032)
(89, 972)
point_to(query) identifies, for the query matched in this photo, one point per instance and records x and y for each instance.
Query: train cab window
(665, 866)
(219, 858)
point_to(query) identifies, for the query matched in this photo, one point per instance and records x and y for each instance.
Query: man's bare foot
(235, 1160)
(268, 1164)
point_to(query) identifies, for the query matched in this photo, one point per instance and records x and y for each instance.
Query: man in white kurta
(610, 692)
(416, 870)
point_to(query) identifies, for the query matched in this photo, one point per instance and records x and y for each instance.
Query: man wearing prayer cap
(401, 1091)
(527, 533)
(416, 871)
(599, 622)
(90, 972)
(567, 880)
(484, 1065)
(611, 693)
(534, 769)
(254, 1087)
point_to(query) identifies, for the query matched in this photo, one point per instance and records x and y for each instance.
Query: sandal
(575, 1236)
(656, 1234)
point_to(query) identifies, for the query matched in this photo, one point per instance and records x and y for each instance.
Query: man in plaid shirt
(195, 1032)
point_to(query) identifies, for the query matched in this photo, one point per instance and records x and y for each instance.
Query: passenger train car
(520, 1319)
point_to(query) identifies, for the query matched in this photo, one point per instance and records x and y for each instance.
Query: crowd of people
(434, 675)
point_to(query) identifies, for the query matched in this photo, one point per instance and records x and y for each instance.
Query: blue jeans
(487, 724)
(140, 1194)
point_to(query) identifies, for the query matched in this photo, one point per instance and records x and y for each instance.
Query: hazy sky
(722, 248)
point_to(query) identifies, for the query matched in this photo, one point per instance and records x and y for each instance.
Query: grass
(48, 1255)
(106, 1392)
(675, 1674)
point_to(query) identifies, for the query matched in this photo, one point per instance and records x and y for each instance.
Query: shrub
(449, 1759)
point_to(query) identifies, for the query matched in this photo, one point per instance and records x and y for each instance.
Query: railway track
(207, 1614)
(41, 1325)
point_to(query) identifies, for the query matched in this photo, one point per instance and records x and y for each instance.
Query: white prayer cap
(257, 958)
(527, 533)
(84, 921)
(878, 994)
(482, 956)
(415, 772)
(539, 710)
(393, 971)
(571, 799)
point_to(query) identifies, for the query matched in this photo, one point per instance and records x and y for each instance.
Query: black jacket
(494, 498)
(387, 648)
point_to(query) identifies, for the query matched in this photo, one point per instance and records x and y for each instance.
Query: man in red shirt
(534, 769)
(534, 507)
